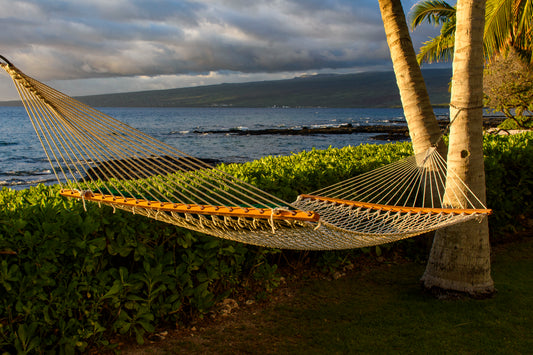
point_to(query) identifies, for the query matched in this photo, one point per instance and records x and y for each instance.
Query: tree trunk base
(453, 290)
(459, 262)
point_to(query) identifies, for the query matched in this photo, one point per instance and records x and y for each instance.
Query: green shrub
(517, 123)
(509, 179)
(70, 279)
(288, 176)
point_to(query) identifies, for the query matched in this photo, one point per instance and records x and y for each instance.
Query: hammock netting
(96, 158)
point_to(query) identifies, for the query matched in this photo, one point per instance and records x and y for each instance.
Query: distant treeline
(369, 89)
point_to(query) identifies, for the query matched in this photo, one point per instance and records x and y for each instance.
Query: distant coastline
(376, 89)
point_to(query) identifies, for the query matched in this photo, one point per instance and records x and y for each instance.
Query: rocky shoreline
(396, 130)
(148, 166)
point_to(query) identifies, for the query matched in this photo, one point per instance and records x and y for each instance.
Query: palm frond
(438, 49)
(498, 26)
(448, 29)
(523, 11)
(524, 40)
(508, 26)
(434, 12)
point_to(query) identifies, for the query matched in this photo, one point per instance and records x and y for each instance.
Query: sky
(85, 47)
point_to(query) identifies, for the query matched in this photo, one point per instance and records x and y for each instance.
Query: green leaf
(115, 289)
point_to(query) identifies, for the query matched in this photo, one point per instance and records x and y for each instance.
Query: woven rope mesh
(99, 159)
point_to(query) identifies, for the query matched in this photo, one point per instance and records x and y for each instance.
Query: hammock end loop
(7, 62)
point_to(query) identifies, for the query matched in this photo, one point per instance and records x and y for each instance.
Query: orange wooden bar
(407, 209)
(248, 212)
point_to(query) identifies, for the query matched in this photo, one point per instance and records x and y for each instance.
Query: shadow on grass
(382, 310)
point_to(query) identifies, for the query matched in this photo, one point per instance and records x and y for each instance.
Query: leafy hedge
(288, 176)
(509, 173)
(70, 279)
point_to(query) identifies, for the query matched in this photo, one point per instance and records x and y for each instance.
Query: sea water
(23, 162)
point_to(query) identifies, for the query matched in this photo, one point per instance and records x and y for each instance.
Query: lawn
(375, 308)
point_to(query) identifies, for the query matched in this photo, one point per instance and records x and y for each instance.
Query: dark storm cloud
(127, 38)
(97, 38)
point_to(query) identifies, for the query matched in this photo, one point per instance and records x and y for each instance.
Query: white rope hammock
(99, 159)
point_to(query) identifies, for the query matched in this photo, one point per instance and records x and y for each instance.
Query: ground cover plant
(71, 279)
(375, 308)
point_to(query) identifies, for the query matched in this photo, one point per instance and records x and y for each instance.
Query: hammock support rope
(98, 159)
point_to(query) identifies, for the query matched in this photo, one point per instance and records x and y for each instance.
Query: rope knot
(85, 194)
(274, 212)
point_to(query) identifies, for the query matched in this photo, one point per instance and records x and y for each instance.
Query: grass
(379, 309)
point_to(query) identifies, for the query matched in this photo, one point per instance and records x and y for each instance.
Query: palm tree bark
(423, 127)
(460, 255)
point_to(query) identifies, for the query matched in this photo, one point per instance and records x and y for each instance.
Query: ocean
(23, 162)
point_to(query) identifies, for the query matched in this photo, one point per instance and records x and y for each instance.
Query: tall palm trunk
(460, 255)
(423, 127)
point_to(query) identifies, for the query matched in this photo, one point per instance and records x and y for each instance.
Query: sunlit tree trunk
(460, 255)
(423, 127)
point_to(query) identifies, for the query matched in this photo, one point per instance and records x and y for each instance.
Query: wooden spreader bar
(404, 209)
(247, 212)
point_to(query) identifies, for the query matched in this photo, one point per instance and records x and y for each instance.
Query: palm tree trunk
(460, 255)
(423, 127)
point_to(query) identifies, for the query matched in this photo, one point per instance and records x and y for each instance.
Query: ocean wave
(19, 183)
(239, 128)
(5, 144)
(26, 159)
(331, 125)
(28, 173)
(280, 127)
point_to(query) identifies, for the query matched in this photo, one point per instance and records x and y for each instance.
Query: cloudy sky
(84, 47)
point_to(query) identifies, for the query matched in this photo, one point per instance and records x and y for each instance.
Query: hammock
(96, 158)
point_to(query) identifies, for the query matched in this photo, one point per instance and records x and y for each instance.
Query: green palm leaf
(438, 49)
(497, 26)
(525, 29)
(508, 25)
(435, 12)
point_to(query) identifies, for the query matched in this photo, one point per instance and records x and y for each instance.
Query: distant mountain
(369, 89)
